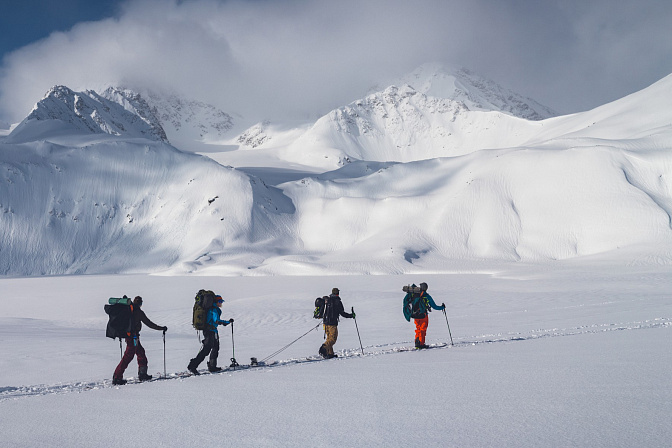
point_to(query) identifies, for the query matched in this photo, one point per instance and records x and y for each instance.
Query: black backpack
(319, 307)
(331, 310)
(415, 303)
(418, 306)
(120, 323)
(202, 303)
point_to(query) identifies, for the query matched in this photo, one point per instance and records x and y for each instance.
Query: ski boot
(142, 374)
(419, 345)
(212, 367)
(118, 381)
(192, 368)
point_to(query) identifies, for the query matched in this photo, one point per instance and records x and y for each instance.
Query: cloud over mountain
(305, 58)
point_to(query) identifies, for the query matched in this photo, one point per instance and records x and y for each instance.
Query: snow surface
(572, 354)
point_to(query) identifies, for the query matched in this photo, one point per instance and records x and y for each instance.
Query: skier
(210, 339)
(333, 307)
(417, 305)
(133, 346)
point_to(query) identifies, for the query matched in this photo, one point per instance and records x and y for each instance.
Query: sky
(303, 58)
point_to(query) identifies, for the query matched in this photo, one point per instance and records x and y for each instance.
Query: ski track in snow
(14, 393)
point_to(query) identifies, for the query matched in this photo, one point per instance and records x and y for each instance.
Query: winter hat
(423, 286)
(335, 291)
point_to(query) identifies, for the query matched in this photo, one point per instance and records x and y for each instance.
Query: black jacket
(139, 317)
(333, 307)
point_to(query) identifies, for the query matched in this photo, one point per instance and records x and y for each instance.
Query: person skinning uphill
(417, 304)
(133, 345)
(333, 307)
(210, 338)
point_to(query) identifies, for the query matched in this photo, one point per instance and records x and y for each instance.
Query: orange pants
(421, 329)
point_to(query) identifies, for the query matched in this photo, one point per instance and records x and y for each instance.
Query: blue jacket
(425, 302)
(431, 301)
(213, 319)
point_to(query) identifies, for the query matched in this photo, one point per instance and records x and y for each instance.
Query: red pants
(421, 329)
(129, 354)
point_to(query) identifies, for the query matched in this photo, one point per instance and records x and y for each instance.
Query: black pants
(211, 346)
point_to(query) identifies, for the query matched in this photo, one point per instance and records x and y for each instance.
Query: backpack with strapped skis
(120, 323)
(202, 303)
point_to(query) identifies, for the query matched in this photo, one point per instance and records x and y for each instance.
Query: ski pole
(446, 315)
(357, 327)
(234, 363)
(164, 353)
(290, 344)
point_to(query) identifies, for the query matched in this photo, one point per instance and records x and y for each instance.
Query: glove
(353, 315)
(230, 321)
(443, 306)
(165, 329)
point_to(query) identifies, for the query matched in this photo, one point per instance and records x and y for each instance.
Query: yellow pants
(332, 334)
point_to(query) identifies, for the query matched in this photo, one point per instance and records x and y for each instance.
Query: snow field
(568, 354)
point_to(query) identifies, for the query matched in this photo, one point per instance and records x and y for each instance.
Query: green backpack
(203, 302)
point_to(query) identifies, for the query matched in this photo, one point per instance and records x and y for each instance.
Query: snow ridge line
(13, 393)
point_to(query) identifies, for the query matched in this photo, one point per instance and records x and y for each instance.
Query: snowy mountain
(399, 181)
(432, 112)
(65, 112)
(474, 91)
(402, 124)
(187, 122)
(118, 205)
(89, 186)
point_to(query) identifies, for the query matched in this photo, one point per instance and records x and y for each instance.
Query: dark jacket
(139, 317)
(333, 307)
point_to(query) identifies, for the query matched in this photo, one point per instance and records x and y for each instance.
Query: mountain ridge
(401, 182)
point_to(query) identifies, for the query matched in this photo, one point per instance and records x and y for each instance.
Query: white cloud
(300, 56)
